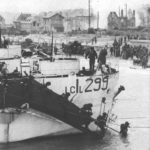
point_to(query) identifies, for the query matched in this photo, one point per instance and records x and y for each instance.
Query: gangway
(27, 90)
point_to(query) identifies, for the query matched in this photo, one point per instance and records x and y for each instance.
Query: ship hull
(30, 124)
(18, 126)
(27, 124)
(85, 89)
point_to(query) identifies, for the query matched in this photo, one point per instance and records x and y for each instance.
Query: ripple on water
(132, 104)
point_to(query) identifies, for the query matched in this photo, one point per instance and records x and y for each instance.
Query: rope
(134, 118)
(133, 126)
(113, 129)
(139, 127)
(114, 124)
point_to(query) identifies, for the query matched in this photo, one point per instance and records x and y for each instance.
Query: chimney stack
(133, 13)
(121, 12)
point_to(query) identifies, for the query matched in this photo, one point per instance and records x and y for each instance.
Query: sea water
(133, 105)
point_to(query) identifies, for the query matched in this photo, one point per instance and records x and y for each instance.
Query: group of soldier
(3, 69)
(115, 49)
(4, 42)
(92, 55)
(139, 54)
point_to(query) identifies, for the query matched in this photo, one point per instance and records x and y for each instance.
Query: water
(133, 105)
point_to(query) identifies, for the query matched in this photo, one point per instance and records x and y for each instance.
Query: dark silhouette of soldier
(92, 55)
(115, 46)
(55, 50)
(101, 122)
(102, 57)
(5, 43)
(124, 129)
(0, 38)
(111, 51)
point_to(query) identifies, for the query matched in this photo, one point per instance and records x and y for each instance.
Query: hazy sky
(103, 6)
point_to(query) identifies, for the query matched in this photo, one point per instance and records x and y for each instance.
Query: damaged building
(77, 19)
(64, 21)
(122, 21)
(29, 23)
(2, 22)
(54, 22)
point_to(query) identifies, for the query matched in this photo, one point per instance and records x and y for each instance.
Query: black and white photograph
(74, 75)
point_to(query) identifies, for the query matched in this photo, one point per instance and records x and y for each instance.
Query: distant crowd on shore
(139, 54)
(4, 42)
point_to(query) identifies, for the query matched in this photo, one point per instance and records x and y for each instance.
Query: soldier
(101, 122)
(87, 108)
(124, 129)
(111, 51)
(92, 55)
(115, 45)
(5, 44)
(55, 50)
(102, 57)
(4, 69)
(95, 39)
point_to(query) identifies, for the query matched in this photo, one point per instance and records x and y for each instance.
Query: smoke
(148, 10)
(144, 15)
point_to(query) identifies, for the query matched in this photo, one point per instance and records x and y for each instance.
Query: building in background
(2, 22)
(37, 23)
(121, 21)
(113, 21)
(144, 16)
(76, 23)
(77, 19)
(53, 22)
(64, 21)
(131, 18)
(30, 23)
(23, 22)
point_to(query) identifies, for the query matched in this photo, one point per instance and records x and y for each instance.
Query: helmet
(127, 123)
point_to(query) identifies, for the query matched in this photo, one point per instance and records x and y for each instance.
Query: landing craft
(33, 104)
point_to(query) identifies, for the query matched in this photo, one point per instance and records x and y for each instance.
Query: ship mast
(98, 20)
(0, 37)
(4, 93)
(52, 45)
(126, 9)
(89, 14)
